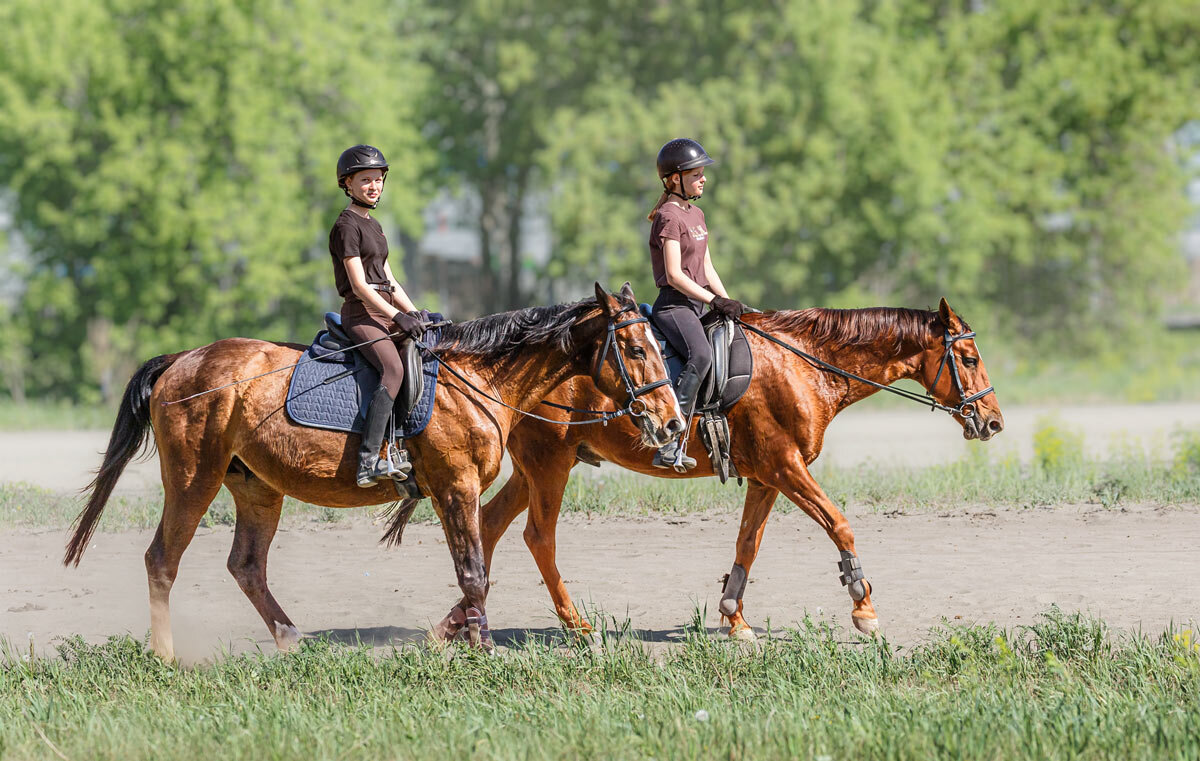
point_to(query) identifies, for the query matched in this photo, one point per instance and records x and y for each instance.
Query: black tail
(397, 517)
(129, 435)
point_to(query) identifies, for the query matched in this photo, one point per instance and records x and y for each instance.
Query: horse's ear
(627, 292)
(606, 300)
(948, 318)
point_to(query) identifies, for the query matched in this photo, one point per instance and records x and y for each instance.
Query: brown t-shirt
(686, 226)
(354, 235)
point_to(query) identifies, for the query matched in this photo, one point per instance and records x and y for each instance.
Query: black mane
(498, 335)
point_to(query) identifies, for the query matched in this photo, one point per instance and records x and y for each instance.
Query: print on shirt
(698, 232)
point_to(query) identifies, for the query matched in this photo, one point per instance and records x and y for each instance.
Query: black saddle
(732, 367)
(336, 340)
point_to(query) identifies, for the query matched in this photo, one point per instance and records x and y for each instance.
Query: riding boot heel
(371, 468)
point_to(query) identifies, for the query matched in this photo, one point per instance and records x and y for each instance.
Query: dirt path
(1135, 568)
(65, 460)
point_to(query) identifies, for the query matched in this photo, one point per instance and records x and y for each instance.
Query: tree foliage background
(167, 166)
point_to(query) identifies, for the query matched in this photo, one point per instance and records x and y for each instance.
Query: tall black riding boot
(371, 467)
(688, 392)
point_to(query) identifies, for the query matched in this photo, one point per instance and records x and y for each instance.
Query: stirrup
(669, 455)
(375, 469)
(399, 466)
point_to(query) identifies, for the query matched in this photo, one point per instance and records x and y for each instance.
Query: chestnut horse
(777, 430)
(241, 437)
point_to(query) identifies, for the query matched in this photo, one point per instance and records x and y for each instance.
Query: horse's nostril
(674, 426)
(995, 426)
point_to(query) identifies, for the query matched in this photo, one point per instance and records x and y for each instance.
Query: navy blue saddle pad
(733, 363)
(332, 389)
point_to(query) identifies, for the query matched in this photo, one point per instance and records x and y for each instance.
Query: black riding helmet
(678, 156)
(356, 159)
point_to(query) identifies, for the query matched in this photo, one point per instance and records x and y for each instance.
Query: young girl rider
(685, 275)
(375, 304)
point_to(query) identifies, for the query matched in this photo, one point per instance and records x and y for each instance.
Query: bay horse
(777, 430)
(241, 437)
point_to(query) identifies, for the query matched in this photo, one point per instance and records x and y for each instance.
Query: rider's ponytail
(654, 212)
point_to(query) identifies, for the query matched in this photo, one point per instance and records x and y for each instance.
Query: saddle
(332, 385)
(727, 380)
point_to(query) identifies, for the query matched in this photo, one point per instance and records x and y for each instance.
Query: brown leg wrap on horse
(735, 587)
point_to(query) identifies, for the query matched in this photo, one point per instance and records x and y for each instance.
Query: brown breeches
(363, 324)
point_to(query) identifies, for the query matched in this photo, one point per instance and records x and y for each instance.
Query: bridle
(966, 406)
(630, 389)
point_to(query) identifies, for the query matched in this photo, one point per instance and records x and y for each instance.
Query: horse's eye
(970, 361)
(637, 352)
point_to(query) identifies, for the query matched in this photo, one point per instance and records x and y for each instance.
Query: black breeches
(684, 332)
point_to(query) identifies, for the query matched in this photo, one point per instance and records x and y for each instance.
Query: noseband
(965, 407)
(634, 406)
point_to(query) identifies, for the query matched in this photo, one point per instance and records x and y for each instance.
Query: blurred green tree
(172, 168)
(1012, 156)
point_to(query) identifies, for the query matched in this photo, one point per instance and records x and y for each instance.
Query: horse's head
(628, 367)
(953, 373)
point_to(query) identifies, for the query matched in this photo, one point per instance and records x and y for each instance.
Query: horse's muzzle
(983, 428)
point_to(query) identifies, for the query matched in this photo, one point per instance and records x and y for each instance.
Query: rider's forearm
(371, 298)
(688, 287)
(714, 280)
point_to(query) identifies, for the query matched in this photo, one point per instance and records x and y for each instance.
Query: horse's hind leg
(191, 479)
(258, 510)
(759, 501)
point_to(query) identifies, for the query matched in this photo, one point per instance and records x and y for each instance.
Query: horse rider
(375, 304)
(684, 273)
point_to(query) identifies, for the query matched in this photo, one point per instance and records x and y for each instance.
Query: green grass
(1062, 688)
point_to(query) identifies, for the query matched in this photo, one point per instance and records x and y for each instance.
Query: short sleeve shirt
(355, 235)
(686, 226)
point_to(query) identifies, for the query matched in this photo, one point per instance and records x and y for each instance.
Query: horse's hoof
(450, 626)
(868, 626)
(287, 637)
(743, 633)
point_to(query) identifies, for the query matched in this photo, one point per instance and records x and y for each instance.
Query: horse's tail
(397, 517)
(129, 436)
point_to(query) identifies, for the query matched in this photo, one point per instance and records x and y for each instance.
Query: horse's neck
(878, 362)
(524, 380)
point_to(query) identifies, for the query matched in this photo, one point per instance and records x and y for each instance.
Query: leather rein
(635, 407)
(965, 407)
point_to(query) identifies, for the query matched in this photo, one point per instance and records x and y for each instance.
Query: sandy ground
(65, 460)
(1136, 568)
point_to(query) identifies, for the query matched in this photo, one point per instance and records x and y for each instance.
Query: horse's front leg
(759, 501)
(458, 508)
(497, 514)
(792, 478)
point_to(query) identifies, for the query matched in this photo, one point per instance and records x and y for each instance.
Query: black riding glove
(408, 325)
(730, 308)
